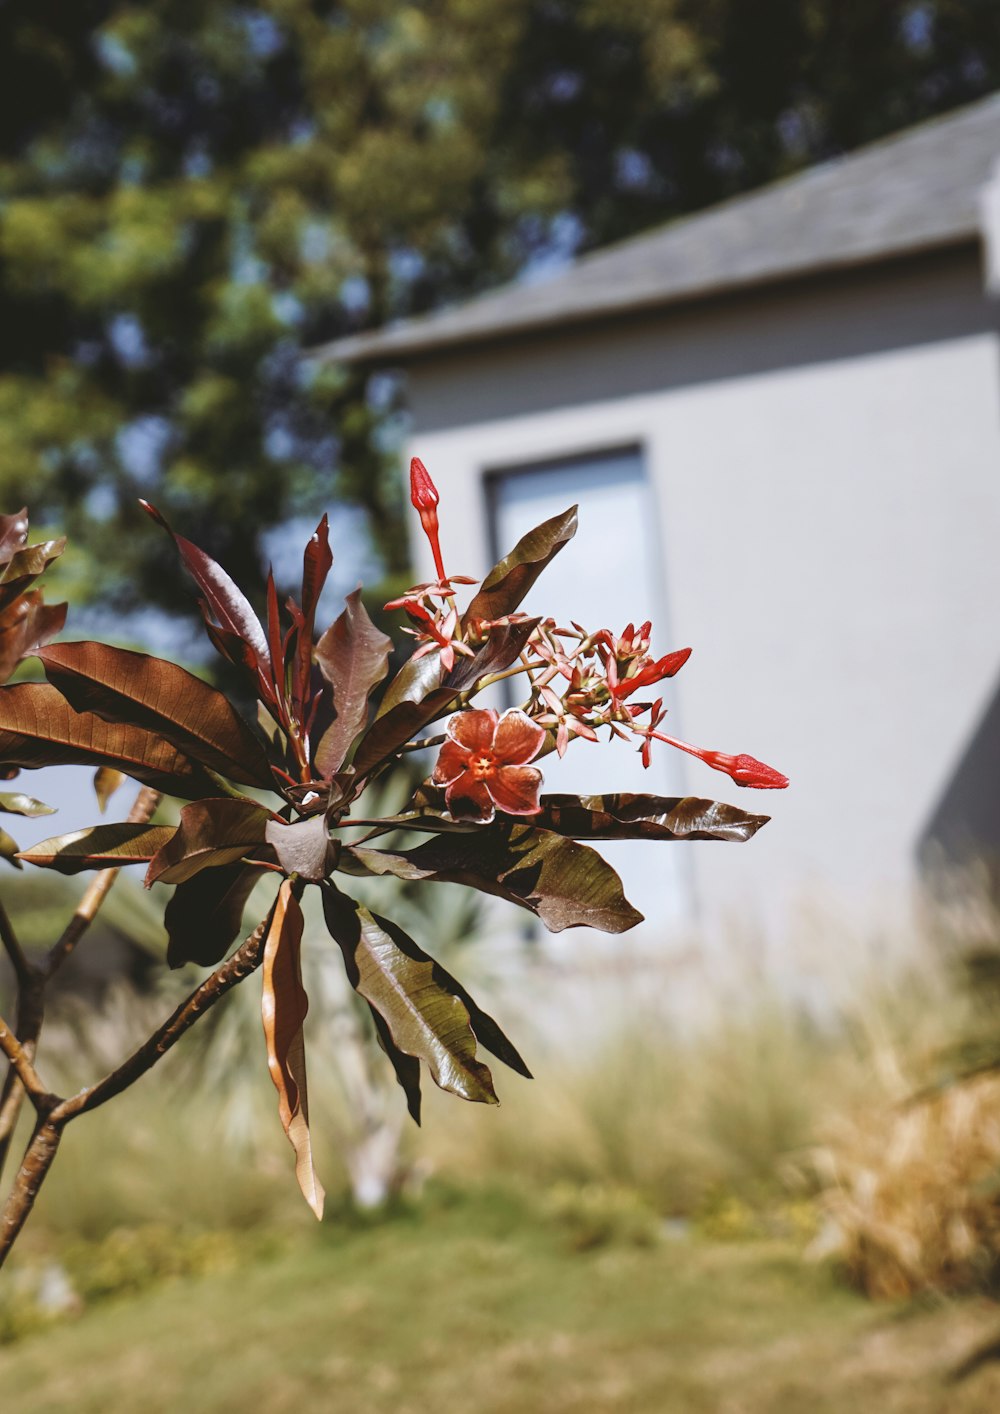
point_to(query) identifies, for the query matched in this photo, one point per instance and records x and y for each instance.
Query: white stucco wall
(830, 532)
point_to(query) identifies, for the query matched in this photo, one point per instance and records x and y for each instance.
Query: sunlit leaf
(353, 656)
(121, 686)
(38, 727)
(25, 565)
(304, 848)
(26, 624)
(423, 1007)
(205, 914)
(98, 847)
(211, 833)
(106, 781)
(505, 586)
(15, 802)
(567, 885)
(284, 1005)
(415, 680)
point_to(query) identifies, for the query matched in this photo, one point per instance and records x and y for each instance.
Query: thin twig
(21, 1064)
(22, 967)
(245, 960)
(35, 1165)
(143, 809)
(32, 981)
(423, 743)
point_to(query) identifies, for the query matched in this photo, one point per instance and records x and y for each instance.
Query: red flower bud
(746, 770)
(424, 495)
(423, 492)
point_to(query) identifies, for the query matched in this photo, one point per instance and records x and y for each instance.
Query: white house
(781, 419)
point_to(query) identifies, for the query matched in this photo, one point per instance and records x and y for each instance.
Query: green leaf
(38, 727)
(205, 914)
(304, 848)
(505, 586)
(426, 1017)
(15, 802)
(353, 656)
(602, 817)
(121, 686)
(99, 847)
(211, 833)
(284, 1005)
(567, 885)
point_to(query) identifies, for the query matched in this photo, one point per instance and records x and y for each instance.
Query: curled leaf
(211, 833)
(9, 850)
(106, 781)
(284, 1005)
(304, 848)
(507, 583)
(423, 1007)
(15, 802)
(567, 885)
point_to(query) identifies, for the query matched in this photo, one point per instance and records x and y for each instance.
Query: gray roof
(908, 193)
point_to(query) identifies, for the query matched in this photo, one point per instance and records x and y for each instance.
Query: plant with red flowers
(283, 797)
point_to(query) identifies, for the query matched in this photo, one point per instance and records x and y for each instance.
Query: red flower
(484, 764)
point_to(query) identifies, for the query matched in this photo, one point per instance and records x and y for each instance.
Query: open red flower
(484, 766)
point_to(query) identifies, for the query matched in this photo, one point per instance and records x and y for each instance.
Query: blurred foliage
(191, 194)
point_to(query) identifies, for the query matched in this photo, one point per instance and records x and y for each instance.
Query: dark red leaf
(353, 656)
(567, 885)
(121, 686)
(205, 914)
(304, 848)
(27, 624)
(99, 847)
(13, 533)
(212, 833)
(505, 586)
(224, 597)
(415, 997)
(284, 1005)
(38, 727)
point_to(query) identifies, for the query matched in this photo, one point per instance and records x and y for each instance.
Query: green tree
(194, 192)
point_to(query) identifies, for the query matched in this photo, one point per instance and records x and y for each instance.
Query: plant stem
(30, 1176)
(21, 965)
(32, 979)
(245, 960)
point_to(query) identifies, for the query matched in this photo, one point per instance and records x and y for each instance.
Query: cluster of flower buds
(578, 681)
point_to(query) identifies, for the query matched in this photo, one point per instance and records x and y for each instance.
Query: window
(610, 573)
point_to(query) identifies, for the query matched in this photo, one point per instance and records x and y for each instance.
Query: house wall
(825, 460)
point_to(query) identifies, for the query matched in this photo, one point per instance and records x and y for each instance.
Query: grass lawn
(484, 1304)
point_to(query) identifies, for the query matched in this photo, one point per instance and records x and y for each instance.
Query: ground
(491, 1306)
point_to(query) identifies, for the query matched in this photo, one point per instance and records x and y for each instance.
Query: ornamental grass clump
(282, 797)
